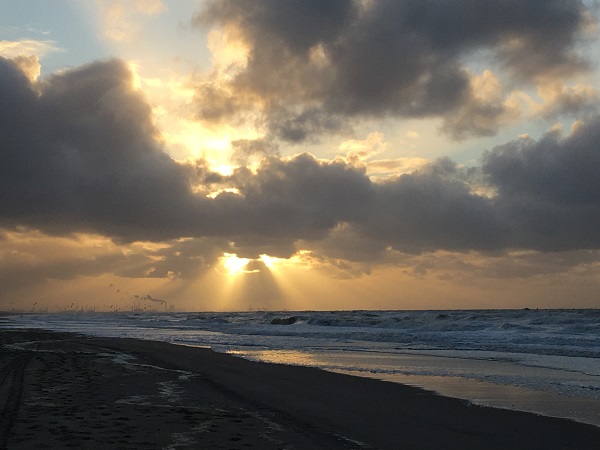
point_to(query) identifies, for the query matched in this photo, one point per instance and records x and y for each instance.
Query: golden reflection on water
(292, 357)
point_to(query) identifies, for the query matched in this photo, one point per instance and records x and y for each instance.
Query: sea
(542, 361)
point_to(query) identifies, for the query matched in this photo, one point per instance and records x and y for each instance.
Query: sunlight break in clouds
(27, 53)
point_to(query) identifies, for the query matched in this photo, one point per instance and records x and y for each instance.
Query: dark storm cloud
(79, 153)
(550, 189)
(483, 112)
(244, 149)
(299, 126)
(316, 64)
(303, 196)
(547, 198)
(426, 211)
(82, 154)
(475, 119)
(345, 242)
(539, 264)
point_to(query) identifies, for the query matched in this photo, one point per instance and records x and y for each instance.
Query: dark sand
(68, 391)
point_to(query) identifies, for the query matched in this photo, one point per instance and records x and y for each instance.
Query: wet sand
(67, 391)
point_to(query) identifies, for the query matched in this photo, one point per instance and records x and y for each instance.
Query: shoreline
(64, 389)
(480, 391)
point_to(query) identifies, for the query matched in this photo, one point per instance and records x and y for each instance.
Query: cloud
(29, 65)
(528, 264)
(484, 111)
(431, 209)
(301, 197)
(83, 154)
(30, 259)
(358, 151)
(345, 242)
(184, 258)
(79, 153)
(382, 168)
(575, 101)
(549, 189)
(245, 149)
(119, 16)
(26, 54)
(27, 47)
(315, 67)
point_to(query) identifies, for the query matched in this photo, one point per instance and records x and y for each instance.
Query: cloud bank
(79, 153)
(314, 67)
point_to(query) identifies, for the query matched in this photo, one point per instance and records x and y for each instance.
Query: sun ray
(234, 264)
(271, 262)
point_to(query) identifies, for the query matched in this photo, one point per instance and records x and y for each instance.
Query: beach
(63, 390)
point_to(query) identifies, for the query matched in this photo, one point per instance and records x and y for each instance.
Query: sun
(236, 265)
(233, 264)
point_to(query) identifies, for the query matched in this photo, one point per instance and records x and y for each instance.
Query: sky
(290, 155)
